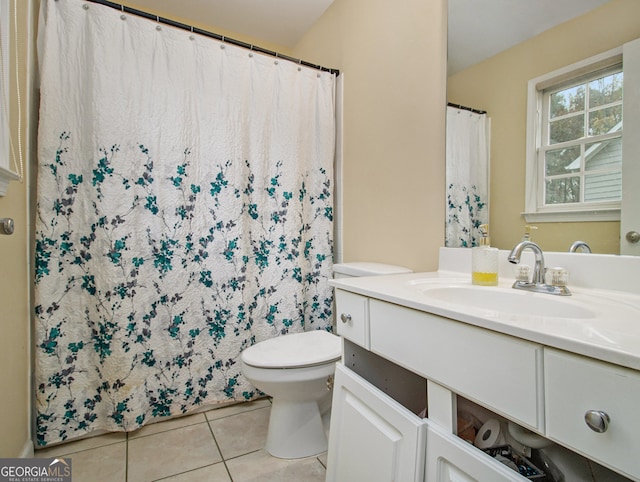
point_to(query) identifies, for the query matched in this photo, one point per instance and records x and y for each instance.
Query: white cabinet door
(372, 438)
(451, 459)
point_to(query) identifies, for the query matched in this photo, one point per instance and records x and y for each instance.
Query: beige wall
(210, 28)
(15, 392)
(393, 56)
(499, 85)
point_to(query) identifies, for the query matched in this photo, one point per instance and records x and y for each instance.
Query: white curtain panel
(467, 176)
(185, 212)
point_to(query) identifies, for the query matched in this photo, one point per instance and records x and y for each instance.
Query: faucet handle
(557, 276)
(522, 272)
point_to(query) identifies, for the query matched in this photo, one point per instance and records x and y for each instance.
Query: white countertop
(611, 333)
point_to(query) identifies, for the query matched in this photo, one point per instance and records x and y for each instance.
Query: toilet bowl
(296, 370)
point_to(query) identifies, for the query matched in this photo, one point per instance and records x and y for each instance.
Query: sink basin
(505, 300)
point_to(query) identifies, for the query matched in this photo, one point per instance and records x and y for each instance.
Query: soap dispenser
(484, 261)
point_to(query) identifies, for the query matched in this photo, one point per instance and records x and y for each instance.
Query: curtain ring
(251, 51)
(158, 27)
(122, 15)
(192, 37)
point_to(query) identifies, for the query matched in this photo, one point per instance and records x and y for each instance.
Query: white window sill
(6, 176)
(573, 216)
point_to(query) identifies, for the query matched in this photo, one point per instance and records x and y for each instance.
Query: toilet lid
(294, 350)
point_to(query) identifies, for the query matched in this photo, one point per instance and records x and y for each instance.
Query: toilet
(296, 370)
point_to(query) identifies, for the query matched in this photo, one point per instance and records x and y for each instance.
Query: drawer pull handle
(345, 318)
(597, 420)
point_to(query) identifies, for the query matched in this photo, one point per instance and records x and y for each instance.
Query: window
(574, 142)
(581, 143)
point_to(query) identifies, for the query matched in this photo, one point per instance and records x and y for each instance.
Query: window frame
(535, 210)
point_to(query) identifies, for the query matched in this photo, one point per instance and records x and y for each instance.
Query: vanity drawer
(352, 317)
(575, 385)
(495, 370)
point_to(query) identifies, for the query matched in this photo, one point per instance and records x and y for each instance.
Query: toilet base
(295, 429)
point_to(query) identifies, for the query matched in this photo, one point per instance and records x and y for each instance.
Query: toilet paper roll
(490, 435)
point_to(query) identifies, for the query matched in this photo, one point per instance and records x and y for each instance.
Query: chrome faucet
(537, 284)
(579, 245)
(538, 269)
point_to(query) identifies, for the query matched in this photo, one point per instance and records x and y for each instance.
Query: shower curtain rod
(464, 107)
(239, 43)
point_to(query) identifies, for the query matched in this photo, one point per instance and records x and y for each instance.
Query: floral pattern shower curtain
(184, 213)
(467, 176)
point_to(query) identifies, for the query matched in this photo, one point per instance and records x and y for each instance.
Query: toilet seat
(295, 350)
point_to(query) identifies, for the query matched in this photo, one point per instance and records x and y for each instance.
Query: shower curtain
(467, 176)
(184, 213)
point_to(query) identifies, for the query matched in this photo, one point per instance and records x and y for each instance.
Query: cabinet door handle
(597, 420)
(345, 318)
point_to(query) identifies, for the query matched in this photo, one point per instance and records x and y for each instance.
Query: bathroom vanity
(428, 340)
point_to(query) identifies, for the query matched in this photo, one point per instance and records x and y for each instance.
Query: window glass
(562, 191)
(604, 155)
(567, 101)
(580, 157)
(605, 90)
(563, 161)
(566, 129)
(604, 120)
(603, 187)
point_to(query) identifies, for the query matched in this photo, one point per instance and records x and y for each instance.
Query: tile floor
(221, 445)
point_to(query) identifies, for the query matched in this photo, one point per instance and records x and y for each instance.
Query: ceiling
(478, 29)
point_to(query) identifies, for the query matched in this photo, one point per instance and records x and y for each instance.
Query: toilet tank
(356, 269)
